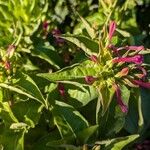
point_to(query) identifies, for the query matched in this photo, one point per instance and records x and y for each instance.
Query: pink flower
(112, 28)
(90, 79)
(135, 48)
(137, 59)
(141, 83)
(123, 107)
(7, 65)
(61, 89)
(94, 58)
(123, 72)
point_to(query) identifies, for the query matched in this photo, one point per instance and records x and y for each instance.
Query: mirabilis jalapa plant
(108, 69)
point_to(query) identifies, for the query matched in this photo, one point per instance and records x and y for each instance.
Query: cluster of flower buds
(133, 75)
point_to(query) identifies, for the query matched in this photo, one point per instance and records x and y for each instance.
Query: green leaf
(42, 142)
(88, 27)
(84, 135)
(28, 111)
(82, 138)
(48, 54)
(68, 120)
(84, 97)
(118, 143)
(77, 71)
(87, 45)
(7, 114)
(132, 118)
(12, 140)
(97, 18)
(26, 86)
(106, 95)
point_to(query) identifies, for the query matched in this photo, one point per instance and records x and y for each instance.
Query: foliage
(62, 83)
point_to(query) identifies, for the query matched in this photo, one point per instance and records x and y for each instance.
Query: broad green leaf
(42, 142)
(84, 97)
(106, 95)
(28, 111)
(77, 71)
(84, 135)
(68, 120)
(7, 114)
(114, 119)
(26, 86)
(82, 138)
(97, 19)
(118, 143)
(12, 140)
(87, 45)
(132, 118)
(88, 27)
(48, 54)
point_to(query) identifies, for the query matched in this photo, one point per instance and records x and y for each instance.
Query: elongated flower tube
(90, 79)
(61, 89)
(141, 83)
(137, 59)
(123, 107)
(123, 72)
(94, 58)
(45, 25)
(135, 48)
(112, 28)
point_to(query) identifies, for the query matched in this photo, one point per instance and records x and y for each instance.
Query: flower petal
(123, 107)
(112, 28)
(90, 79)
(135, 48)
(141, 83)
(94, 58)
(137, 59)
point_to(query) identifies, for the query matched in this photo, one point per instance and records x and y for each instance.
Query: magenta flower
(90, 79)
(61, 89)
(57, 33)
(123, 107)
(45, 25)
(135, 48)
(94, 58)
(141, 83)
(112, 28)
(137, 59)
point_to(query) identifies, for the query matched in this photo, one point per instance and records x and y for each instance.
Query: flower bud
(112, 28)
(123, 72)
(61, 89)
(90, 79)
(94, 58)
